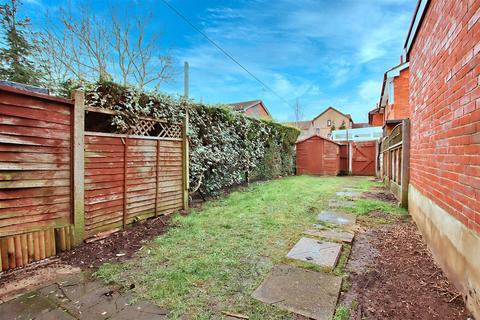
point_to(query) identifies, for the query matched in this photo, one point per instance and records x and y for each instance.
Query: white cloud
(298, 47)
(35, 2)
(369, 91)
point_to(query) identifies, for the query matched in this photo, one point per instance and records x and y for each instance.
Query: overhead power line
(178, 13)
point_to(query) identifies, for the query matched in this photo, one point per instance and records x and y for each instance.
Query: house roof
(245, 105)
(304, 125)
(360, 125)
(417, 19)
(374, 111)
(332, 108)
(390, 73)
(316, 135)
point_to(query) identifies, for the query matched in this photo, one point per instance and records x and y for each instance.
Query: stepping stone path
(311, 294)
(78, 297)
(350, 194)
(339, 218)
(322, 253)
(341, 204)
(332, 234)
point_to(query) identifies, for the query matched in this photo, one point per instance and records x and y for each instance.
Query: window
(329, 123)
(317, 130)
(391, 93)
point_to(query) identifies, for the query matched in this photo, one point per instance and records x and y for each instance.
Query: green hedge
(226, 148)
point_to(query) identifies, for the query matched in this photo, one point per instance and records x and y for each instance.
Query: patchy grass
(364, 183)
(215, 257)
(366, 206)
(341, 264)
(342, 313)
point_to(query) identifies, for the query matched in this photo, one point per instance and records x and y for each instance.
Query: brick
(444, 103)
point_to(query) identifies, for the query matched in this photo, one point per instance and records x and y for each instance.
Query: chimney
(401, 59)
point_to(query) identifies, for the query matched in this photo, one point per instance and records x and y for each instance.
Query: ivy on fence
(226, 148)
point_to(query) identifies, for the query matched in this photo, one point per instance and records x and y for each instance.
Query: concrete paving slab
(28, 306)
(350, 194)
(308, 293)
(339, 218)
(332, 234)
(78, 297)
(319, 226)
(56, 314)
(341, 204)
(322, 253)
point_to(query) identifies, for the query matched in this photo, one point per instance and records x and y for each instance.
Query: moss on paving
(214, 258)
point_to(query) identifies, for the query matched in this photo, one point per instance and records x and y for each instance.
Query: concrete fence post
(78, 166)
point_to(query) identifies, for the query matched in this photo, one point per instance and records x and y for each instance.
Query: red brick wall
(445, 108)
(401, 89)
(400, 109)
(377, 120)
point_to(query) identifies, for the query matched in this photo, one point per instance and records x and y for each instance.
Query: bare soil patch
(383, 196)
(394, 276)
(117, 247)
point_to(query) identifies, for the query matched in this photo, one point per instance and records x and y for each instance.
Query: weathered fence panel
(35, 176)
(60, 185)
(129, 178)
(395, 157)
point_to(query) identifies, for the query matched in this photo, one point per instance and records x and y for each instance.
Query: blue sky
(323, 52)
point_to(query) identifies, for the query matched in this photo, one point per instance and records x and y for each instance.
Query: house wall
(320, 124)
(444, 189)
(257, 111)
(400, 108)
(377, 120)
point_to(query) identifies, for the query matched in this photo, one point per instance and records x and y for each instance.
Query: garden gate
(363, 155)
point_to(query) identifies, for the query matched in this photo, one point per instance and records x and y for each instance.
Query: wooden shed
(318, 156)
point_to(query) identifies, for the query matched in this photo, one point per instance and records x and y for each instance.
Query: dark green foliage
(226, 148)
(15, 62)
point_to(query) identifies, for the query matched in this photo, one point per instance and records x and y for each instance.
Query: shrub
(226, 148)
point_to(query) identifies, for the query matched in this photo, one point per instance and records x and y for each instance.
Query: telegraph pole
(185, 80)
(186, 145)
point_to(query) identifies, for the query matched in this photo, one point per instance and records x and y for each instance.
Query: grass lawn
(213, 259)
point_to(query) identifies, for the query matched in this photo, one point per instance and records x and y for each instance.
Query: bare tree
(87, 47)
(138, 61)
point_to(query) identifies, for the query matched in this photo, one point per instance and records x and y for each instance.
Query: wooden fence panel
(129, 178)
(141, 178)
(35, 175)
(60, 185)
(103, 183)
(170, 183)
